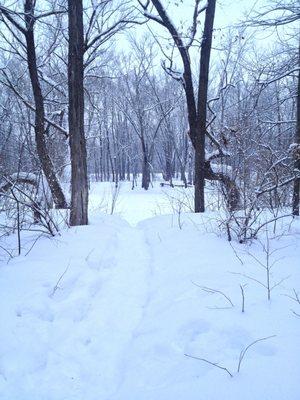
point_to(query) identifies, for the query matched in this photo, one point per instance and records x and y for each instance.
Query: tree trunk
(231, 192)
(145, 174)
(296, 191)
(202, 106)
(196, 112)
(79, 180)
(146, 166)
(199, 179)
(39, 127)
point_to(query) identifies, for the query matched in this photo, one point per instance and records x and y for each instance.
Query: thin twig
(60, 278)
(243, 352)
(243, 296)
(211, 363)
(213, 291)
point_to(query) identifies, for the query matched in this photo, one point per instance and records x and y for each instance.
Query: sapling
(179, 202)
(114, 198)
(267, 264)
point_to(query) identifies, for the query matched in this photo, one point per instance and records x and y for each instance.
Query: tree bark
(231, 192)
(39, 127)
(202, 106)
(145, 167)
(296, 190)
(145, 175)
(79, 180)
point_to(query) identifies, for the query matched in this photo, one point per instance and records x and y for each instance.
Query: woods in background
(76, 107)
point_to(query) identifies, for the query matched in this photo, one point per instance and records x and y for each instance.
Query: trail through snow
(75, 334)
(108, 311)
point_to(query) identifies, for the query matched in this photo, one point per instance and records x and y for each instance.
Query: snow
(20, 175)
(108, 311)
(216, 154)
(43, 192)
(219, 168)
(133, 205)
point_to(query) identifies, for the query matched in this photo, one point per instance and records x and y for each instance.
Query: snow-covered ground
(117, 309)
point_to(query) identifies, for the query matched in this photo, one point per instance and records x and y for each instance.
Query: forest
(149, 199)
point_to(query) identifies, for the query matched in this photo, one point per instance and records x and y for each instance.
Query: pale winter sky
(227, 11)
(228, 14)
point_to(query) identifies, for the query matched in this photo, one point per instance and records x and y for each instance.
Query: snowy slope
(109, 311)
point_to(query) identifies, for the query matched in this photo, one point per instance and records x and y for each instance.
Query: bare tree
(296, 150)
(27, 31)
(196, 104)
(283, 13)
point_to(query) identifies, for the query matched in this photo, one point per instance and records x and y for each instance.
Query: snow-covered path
(75, 336)
(108, 311)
